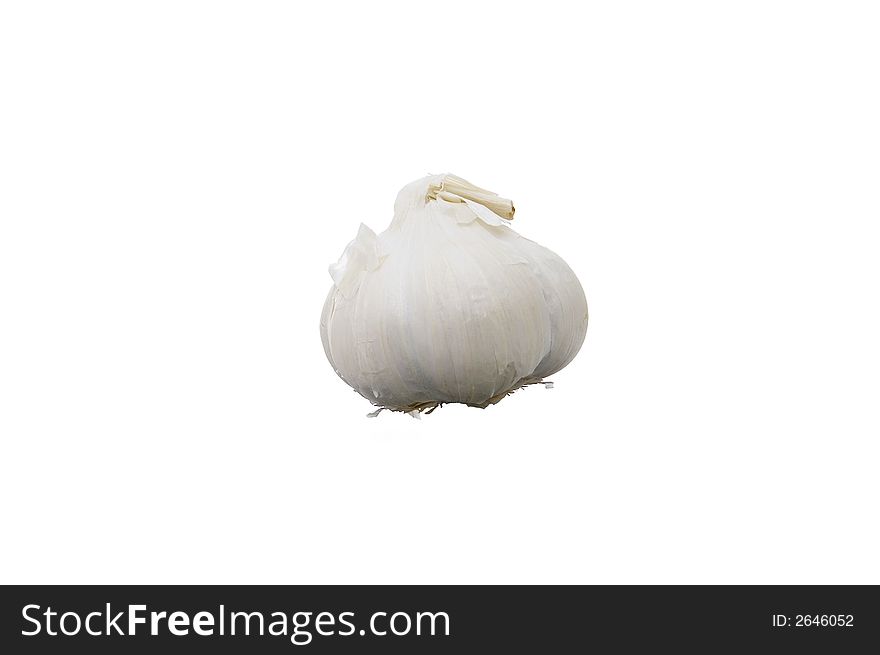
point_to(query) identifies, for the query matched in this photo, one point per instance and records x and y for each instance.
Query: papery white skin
(449, 304)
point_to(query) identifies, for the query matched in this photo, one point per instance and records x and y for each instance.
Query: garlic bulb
(449, 304)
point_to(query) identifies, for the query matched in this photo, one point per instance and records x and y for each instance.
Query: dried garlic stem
(451, 186)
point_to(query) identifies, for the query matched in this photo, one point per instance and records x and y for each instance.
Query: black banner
(446, 619)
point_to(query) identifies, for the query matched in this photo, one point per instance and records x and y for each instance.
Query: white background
(176, 177)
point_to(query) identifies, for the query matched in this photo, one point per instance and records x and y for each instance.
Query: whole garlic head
(449, 304)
